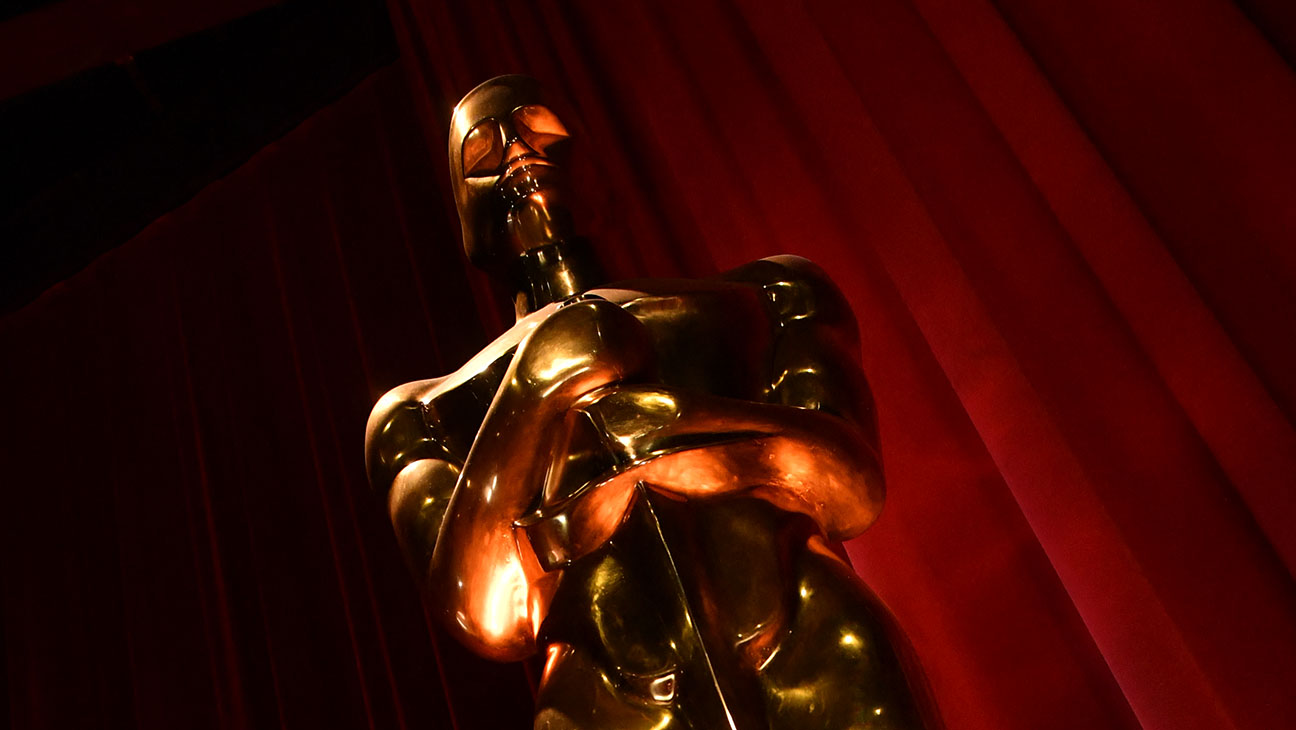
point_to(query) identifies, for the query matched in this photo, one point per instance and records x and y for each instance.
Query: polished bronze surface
(646, 480)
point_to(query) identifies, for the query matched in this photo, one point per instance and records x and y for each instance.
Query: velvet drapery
(1066, 229)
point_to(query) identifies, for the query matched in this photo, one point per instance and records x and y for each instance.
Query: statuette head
(506, 149)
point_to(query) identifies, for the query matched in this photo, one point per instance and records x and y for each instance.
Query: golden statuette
(644, 480)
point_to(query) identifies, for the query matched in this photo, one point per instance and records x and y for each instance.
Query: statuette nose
(519, 153)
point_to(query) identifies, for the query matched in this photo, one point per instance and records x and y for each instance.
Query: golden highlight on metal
(646, 480)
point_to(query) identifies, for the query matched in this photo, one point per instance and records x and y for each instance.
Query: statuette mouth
(523, 162)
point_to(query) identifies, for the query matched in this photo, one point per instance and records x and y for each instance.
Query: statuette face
(505, 152)
(644, 481)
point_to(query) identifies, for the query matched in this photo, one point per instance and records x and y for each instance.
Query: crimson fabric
(1065, 227)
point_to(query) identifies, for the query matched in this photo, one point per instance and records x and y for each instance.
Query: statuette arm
(492, 591)
(697, 445)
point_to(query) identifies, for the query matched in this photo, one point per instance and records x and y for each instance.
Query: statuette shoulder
(398, 433)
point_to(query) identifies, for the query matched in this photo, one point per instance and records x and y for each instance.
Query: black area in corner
(88, 162)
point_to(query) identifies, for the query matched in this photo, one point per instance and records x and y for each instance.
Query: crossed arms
(808, 447)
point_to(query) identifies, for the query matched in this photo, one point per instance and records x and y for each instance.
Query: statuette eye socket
(538, 127)
(483, 149)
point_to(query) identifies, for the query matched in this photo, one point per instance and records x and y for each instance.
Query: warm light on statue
(643, 479)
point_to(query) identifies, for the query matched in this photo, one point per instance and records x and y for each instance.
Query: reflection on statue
(644, 480)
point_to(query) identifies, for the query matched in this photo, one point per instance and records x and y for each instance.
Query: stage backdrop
(1067, 231)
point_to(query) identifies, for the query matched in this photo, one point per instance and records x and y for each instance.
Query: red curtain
(1067, 231)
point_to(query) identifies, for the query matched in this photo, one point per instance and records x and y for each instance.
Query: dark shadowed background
(1066, 228)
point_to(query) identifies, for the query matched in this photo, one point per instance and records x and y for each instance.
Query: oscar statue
(645, 480)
